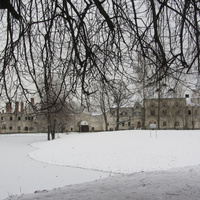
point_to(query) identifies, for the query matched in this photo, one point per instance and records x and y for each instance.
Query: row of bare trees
(59, 48)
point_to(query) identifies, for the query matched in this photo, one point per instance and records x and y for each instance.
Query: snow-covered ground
(145, 165)
(19, 174)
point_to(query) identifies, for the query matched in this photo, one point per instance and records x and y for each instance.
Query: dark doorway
(138, 124)
(84, 128)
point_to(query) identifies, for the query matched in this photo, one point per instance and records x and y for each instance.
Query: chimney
(32, 101)
(22, 106)
(17, 106)
(8, 107)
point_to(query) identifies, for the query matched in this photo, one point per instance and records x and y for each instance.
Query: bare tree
(120, 96)
(86, 41)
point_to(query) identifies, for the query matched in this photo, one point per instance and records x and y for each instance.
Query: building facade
(19, 118)
(164, 113)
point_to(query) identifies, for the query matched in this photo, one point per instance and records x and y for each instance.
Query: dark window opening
(164, 123)
(164, 112)
(177, 112)
(138, 124)
(176, 123)
(152, 112)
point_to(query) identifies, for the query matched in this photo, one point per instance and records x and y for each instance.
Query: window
(26, 128)
(92, 128)
(152, 112)
(189, 112)
(112, 113)
(19, 118)
(164, 112)
(129, 123)
(177, 112)
(176, 123)
(10, 127)
(1, 118)
(164, 123)
(11, 119)
(123, 124)
(19, 128)
(138, 124)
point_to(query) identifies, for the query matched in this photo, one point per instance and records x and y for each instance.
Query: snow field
(122, 151)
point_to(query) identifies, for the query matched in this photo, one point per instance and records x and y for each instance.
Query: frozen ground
(162, 165)
(19, 174)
